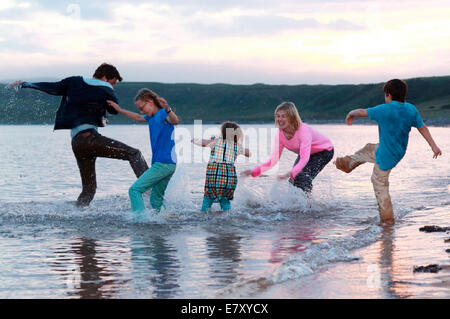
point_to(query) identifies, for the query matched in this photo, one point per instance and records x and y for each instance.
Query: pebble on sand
(434, 268)
(431, 229)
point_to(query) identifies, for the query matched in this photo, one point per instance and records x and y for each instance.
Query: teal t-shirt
(394, 124)
(161, 138)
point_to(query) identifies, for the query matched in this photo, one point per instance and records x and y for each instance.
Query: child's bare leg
(350, 162)
(380, 182)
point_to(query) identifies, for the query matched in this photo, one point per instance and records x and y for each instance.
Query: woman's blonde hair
(147, 95)
(291, 112)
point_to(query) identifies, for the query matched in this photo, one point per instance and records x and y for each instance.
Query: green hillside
(243, 103)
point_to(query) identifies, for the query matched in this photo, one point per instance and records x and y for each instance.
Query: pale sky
(227, 41)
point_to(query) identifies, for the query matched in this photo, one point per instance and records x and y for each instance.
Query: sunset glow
(234, 42)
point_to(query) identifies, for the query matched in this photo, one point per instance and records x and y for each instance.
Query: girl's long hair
(147, 95)
(292, 113)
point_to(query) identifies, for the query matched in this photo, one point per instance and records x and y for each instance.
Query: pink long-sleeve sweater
(305, 142)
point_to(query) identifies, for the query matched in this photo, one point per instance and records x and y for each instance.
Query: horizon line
(54, 79)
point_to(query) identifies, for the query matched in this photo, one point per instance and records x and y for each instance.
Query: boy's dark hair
(230, 127)
(397, 88)
(107, 70)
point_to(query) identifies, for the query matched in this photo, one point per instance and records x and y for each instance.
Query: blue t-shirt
(161, 138)
(394, 123)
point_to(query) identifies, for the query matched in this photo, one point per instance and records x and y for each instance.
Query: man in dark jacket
(82, 110)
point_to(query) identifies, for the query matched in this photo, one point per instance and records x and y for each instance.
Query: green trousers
(207, 203)
(157, 178)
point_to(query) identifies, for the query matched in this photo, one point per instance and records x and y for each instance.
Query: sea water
(274, 233)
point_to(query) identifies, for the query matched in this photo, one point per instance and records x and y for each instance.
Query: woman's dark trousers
(315, 164)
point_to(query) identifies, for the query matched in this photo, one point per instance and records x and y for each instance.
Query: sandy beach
(385, 269)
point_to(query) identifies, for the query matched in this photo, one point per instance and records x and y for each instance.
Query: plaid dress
(221, 178)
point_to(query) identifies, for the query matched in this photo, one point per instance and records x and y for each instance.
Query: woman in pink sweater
(314, 149)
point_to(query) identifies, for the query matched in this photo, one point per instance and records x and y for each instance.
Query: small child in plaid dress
(221, 178)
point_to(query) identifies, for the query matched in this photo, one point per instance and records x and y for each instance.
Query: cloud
(263, 25)
(11, 14)
(83, 9)
(8, 4)
(193, 6)
(168, 51)
(11, 45)
(344, 25)
(222, 41)
(220, 5)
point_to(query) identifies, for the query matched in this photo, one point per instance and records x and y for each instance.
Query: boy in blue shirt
(394, 119)
(161, 120)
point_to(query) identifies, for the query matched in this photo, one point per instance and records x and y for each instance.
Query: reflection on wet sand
(87, 274)
(155, 266)
(224, 251)
(391, 289)
(287, 245)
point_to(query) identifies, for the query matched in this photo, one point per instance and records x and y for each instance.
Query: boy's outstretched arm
(129, 114)
(427, 136)
(53, 88)
(355, 113)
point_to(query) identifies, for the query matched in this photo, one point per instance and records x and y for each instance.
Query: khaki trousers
(379, 179)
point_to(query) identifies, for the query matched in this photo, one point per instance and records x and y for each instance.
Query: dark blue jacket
(81, 103)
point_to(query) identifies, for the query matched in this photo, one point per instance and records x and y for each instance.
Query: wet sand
(385, 269)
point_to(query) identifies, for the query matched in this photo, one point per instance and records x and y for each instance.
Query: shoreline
(440, 122)
(384, 269)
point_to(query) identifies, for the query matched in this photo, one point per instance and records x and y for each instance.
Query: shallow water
(273, 234)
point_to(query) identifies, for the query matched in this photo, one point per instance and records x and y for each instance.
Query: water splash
(178, 196)
(304, 264)
(252, 203)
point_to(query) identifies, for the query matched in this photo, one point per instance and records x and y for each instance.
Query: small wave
(305, 263)
(309, 261)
